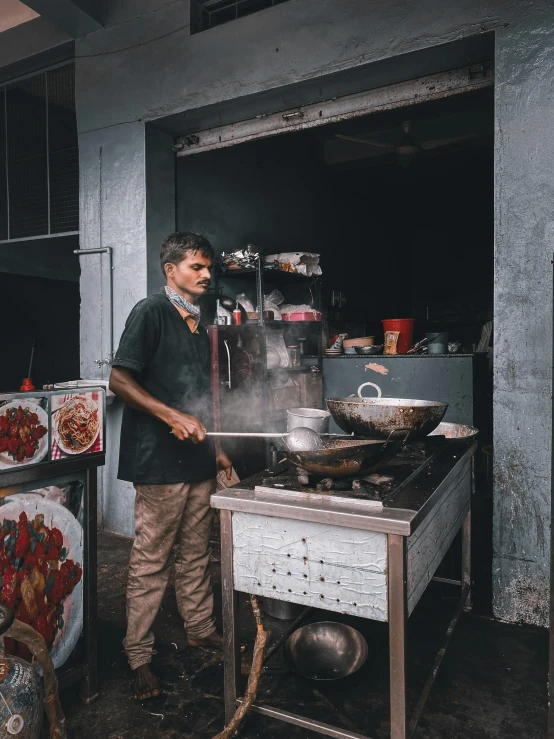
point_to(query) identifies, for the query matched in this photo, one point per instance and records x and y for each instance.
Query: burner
(376, 486)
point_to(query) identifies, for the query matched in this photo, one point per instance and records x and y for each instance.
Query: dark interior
(398, 236)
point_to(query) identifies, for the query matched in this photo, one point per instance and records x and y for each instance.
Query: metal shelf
(275, 275)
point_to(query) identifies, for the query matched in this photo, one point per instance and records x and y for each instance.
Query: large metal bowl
(381, 417)
(325, 651)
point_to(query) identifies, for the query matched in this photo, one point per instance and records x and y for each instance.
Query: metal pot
(383, 417)
(341, 457)
(281, 609)
(311, 418)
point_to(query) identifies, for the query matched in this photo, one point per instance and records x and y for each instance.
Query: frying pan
(380, 417)
(341, 457)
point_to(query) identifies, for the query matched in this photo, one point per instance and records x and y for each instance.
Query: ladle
(300, 439)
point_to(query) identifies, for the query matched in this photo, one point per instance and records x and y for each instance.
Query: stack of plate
(332, 352)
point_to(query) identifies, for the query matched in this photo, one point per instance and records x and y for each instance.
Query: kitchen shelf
(275, 275)
(302, 368)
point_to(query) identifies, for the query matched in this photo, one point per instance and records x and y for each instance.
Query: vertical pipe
(47, 147)
(213, 334)
(7, 162)
(231, 648)
(398, 622)
(551, 621)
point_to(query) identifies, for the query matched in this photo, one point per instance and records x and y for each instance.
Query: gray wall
(269, 193)
(145, 66)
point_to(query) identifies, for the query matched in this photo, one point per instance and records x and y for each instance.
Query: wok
(380, 417)
(341, 457)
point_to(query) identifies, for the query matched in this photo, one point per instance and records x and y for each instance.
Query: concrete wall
(145, 66)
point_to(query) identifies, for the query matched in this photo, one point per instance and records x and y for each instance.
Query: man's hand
(224, 463)
(186, 428)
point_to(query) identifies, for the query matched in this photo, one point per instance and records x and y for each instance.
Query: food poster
(41, 566)
(77, 423)
(24, 438)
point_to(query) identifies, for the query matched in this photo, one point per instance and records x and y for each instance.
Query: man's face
(191, 276)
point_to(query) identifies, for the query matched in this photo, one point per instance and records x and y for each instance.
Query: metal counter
(349, 557)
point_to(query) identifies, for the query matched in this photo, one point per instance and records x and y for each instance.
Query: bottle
(27, 385)
(237, 316)
(294, 357)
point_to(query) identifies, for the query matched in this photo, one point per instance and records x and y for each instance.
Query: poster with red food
(23, 431)
(41, 570)
(77, 423)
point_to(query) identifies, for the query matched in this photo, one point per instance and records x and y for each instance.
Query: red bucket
(406, 328)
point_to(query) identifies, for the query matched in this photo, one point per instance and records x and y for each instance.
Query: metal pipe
(109, 251)
(437, 663)
(285, 635)
(551, 624)
(253, 434)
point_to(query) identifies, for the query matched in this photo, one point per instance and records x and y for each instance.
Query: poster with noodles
(77, 424)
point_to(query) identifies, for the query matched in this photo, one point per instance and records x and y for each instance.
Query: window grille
(207, 14)
(39, 160)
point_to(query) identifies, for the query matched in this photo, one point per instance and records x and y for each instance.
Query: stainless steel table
(351, 556)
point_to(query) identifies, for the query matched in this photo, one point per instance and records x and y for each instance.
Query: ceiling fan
(407, 146)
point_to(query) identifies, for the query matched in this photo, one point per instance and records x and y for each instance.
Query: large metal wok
(380, 417)
(340, 457)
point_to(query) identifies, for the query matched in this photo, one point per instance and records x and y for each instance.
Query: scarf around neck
(179, 301)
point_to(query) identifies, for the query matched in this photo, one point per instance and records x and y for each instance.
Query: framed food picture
(41, 566)
(24, 431)
(77, 423)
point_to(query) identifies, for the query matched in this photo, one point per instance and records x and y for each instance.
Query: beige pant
(167, 515)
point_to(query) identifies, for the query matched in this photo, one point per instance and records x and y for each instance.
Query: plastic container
(437, 342)
(27, 385)
(406, 328)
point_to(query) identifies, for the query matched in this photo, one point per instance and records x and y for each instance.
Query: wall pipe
(109, 251)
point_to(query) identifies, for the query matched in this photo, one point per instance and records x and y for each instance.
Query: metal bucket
(311, 418)
(281, 609)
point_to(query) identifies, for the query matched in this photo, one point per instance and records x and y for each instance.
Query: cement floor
(492, 683)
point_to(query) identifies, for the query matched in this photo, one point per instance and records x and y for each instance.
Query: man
(161, 372)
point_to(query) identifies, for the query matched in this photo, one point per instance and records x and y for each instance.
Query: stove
(372, 489)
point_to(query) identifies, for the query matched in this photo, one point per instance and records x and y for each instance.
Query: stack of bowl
(351, 344)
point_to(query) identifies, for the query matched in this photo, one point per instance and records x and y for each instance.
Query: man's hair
(179, 245)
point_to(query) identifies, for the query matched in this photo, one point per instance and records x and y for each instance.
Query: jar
(294, 356)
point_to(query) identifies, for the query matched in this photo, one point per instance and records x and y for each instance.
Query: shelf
(302, 368)
(276, 275)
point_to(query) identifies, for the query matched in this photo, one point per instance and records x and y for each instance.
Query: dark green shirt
(172, 364)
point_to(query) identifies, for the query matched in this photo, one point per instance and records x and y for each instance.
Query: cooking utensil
(340, 457)
(365, 350)
(300, 439)
(325, 651)
(381, 417)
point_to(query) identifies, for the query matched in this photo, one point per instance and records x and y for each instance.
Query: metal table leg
(466, 558)
(398, 621)
(89, 684)
(231, 646)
